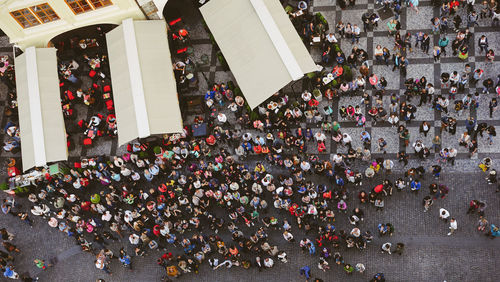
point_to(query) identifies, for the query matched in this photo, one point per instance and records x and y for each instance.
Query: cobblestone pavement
(430, 255)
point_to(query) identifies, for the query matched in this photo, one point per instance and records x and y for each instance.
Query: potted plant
(317, 95)
(334, 83)
(222, 61)
(347, 75)
(321, 19)
(336, 48)
(4, 186)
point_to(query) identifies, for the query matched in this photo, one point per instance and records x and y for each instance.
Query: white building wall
(40, 35)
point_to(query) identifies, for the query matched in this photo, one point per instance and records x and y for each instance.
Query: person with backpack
(436, 53)
(491, 133)
(41, 264)
(443, 42)
(125, 259)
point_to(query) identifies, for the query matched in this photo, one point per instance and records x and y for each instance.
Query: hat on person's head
(95, 198)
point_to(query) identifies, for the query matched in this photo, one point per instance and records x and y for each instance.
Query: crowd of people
(222, 198)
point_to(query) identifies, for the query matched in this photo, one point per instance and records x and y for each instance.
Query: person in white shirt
(388, 165)
(337, 158)
(379, 53)
(360, 82)
(306, 96)
(330, 37)
(452, 154)
(134, 239)
(346, 140)
(453, 226)
(386, 247)
(106, 216)
(444, 214)
(222, 118)
(356, 31)
(268, 262)
(305, 166)
(393, 120)
(319, 136)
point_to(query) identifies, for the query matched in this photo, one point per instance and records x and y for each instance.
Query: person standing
(493, 106)
(443, 42)
(483, 43)
(382, 144)
(436, 52)
(426, 43)
(472, 19)
(403, 65)
(453, 226)
(356, 31)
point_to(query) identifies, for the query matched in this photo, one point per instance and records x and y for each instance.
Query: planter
(321, 18)
(222, 61)
(336, 48)
(21, 191)
(317, 95)
(311, 75)
(347, 75)
(334, 83)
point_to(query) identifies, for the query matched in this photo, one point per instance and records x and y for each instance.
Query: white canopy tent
(41, 122)
(260, 45)
(144, 86)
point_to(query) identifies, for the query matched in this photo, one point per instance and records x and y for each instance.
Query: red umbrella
(378, 188)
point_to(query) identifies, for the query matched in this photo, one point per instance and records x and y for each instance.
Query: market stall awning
(41, 122)
(260, 45)
(144, 86)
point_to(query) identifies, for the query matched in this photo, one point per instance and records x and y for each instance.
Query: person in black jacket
(426, 43)
(483, 43)
(457, 20)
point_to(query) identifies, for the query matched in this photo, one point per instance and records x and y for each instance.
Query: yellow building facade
(35, 22)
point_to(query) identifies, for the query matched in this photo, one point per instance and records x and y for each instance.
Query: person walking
(399, 248)
(360, 268)
(427, 202)
(444, 214)
(453, 226)
(306, 272)
(41, 264)
(386, 247)
(493, 106)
